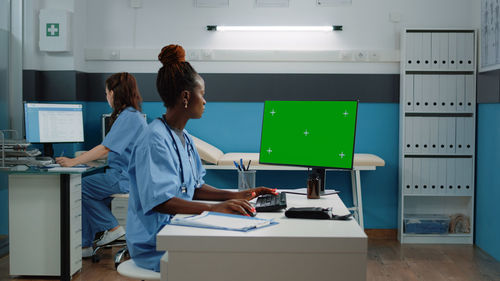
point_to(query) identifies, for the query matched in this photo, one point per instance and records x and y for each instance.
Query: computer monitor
(49, 123)
(105, 120)
(315, 134)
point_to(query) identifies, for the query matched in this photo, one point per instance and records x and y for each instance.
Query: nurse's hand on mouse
(234, 206)
(250, 194)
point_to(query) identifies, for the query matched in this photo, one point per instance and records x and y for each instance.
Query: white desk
(294, 249)
(361, 162)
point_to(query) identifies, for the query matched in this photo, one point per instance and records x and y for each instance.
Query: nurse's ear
(186, 95)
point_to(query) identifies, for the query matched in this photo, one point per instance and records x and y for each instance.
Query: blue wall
(235, 127)
(488, 179)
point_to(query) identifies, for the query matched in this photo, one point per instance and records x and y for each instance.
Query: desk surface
(289, 235)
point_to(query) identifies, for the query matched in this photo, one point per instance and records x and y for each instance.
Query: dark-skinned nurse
(165, 170)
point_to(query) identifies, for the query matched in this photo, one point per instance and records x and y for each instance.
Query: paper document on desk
(222, 221)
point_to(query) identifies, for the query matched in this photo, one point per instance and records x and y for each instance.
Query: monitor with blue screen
(49, 123)
(315, 134)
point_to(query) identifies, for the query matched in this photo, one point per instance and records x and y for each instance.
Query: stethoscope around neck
(190, 152)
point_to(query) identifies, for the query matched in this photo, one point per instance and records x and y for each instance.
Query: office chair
(129, 269)
(119, 211)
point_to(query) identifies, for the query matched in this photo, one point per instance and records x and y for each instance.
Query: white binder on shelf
(408, 102)
(452, 51)
(426, 93)
(461, 62)
(441, 175)
(408, 175)
(443, 93)
(435, 44)
(468, 171)
(434, 175)
(443, 130)
(459, 173)
(450, 137)
(434, 98)
(417, 135)
(417, 92)
(410, 51)
(443, 51)
(451, 93)
(469, 135)
(460, 135)
(470, 97)
(409, 128)
(417, 37)
(450, 175)
(469, 51)
(460, 93)
(434, 135)
(425, 134)
(426, 50)
(424, 170)
(417, 175)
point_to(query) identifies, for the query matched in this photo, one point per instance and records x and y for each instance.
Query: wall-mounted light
(274, 28)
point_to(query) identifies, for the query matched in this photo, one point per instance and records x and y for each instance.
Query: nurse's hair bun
(172, 54)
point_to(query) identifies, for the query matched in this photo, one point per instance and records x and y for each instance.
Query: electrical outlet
(114, 54)
(361, 56)
(193, 55)
(346, 56)
(374, 56)
(136, 4)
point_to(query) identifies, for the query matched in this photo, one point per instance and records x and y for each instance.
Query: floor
(387, 260)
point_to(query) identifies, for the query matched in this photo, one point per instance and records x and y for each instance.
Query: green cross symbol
(52, 30)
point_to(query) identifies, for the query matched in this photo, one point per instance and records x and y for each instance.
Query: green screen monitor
(315, 134)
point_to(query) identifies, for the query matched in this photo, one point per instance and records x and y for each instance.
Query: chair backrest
(129, 269)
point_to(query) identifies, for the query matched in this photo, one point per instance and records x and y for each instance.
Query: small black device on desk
(270, 202)
(315, 213)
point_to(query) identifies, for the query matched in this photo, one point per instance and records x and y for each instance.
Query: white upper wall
(114, 25)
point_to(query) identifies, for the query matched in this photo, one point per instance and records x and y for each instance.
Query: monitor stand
(48, 150)
(322, 176)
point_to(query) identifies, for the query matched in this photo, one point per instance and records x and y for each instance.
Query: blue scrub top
(155, 178)
(120, 141)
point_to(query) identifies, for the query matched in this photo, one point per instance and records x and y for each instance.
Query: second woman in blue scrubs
(128, 122)
(165, 169)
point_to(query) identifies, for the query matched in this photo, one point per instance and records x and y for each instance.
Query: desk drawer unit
(35, 227)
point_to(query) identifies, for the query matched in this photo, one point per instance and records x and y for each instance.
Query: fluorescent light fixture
(274, 28)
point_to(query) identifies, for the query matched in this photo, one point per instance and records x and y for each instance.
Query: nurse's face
(197, 100)
(109, 97)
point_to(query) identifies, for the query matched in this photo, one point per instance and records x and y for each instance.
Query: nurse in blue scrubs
(165, 169)
(127, 122)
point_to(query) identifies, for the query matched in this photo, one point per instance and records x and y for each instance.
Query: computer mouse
(252, 214)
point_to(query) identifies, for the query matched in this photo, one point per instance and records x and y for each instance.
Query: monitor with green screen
(317, 134)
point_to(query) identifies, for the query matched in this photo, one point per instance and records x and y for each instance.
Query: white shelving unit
(437, 128)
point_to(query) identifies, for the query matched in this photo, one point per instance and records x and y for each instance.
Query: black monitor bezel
(309, 166)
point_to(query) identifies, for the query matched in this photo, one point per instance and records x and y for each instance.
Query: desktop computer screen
(53, 123)
(316, 134)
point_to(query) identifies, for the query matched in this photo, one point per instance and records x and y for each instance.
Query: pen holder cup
(246, 179)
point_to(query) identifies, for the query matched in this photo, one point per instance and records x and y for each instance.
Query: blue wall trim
(488, 179)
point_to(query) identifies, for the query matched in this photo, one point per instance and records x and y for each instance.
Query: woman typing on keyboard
(127, 123)
(165, 170)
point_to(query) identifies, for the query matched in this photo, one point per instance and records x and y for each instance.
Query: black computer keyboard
(271, 203)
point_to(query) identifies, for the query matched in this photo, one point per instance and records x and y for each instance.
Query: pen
(248, 166)
(241, 164)
(236, 165)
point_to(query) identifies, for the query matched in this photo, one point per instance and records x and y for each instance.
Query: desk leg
(360, 202)
(65, 228)
(354, 195)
